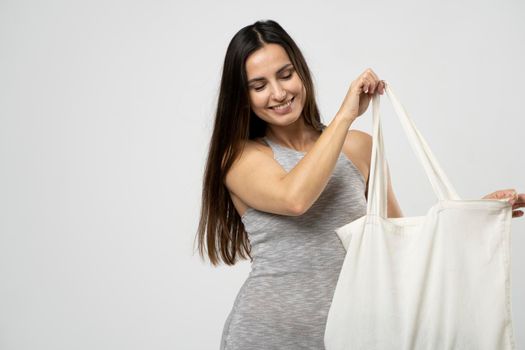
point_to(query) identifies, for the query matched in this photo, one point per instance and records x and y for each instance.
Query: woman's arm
(261, 183)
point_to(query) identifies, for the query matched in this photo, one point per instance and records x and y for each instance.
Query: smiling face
(272, 84)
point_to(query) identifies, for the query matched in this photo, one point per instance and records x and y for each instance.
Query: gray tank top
(284, 302)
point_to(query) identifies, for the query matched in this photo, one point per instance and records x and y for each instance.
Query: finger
(518, 205)
(382, 91)
(520, 199)
(375, 84)
(372, 73)
(366, 85)
(517, 214)
(513, 196)
(380, 87)
(365, 81)
(372, 78)
(510, 193)
(501, 194)
(378, 84)
(372, 88)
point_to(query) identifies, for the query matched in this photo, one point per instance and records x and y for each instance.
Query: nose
(278, 93)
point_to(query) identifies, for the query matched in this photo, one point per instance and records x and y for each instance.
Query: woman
(278, 182)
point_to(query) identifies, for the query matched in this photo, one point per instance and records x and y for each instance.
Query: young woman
(278, 182)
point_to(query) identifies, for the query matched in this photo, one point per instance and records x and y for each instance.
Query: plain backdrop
(106, 112)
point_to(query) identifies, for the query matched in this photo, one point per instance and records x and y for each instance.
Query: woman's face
(272, 82)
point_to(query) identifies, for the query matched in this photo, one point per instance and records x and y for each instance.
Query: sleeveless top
(284, 302)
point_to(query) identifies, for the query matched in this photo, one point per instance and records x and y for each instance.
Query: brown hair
(220, 229)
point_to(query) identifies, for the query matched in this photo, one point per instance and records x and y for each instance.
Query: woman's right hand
(360, 93)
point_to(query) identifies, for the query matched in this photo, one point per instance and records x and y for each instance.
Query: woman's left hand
(517, 200)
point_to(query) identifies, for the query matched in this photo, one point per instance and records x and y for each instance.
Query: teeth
(283, 105)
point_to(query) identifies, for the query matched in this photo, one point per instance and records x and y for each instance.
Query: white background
(106, 110)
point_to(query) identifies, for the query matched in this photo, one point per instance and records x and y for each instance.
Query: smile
(284, 105)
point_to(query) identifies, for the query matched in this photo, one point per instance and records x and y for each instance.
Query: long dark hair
(220, 227)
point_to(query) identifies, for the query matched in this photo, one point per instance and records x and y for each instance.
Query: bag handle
(377, 199)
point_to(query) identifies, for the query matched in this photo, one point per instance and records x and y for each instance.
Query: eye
(260, 88)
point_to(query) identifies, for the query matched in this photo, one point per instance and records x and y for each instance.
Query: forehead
(266, 60)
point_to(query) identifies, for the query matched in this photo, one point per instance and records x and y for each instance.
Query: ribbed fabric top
(284, 302)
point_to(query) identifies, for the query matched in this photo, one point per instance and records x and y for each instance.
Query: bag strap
(377, 203)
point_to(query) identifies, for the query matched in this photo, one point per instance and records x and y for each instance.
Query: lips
(290, 100)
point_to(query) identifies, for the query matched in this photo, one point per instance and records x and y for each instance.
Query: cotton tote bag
(438, 281)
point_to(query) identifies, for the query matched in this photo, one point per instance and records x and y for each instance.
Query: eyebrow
(279, 71)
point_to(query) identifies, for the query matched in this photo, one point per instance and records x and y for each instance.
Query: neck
(298, 135)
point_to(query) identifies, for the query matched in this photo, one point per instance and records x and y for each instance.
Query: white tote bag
(438, 281)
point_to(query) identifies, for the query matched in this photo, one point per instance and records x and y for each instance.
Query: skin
(276, 88)
(517, 200)
(272, 80)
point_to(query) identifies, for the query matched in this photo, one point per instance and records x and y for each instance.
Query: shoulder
(248, 149)
(358, 148)
(360, 137)
(359, 144)
(252, 152)
(256, 147)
